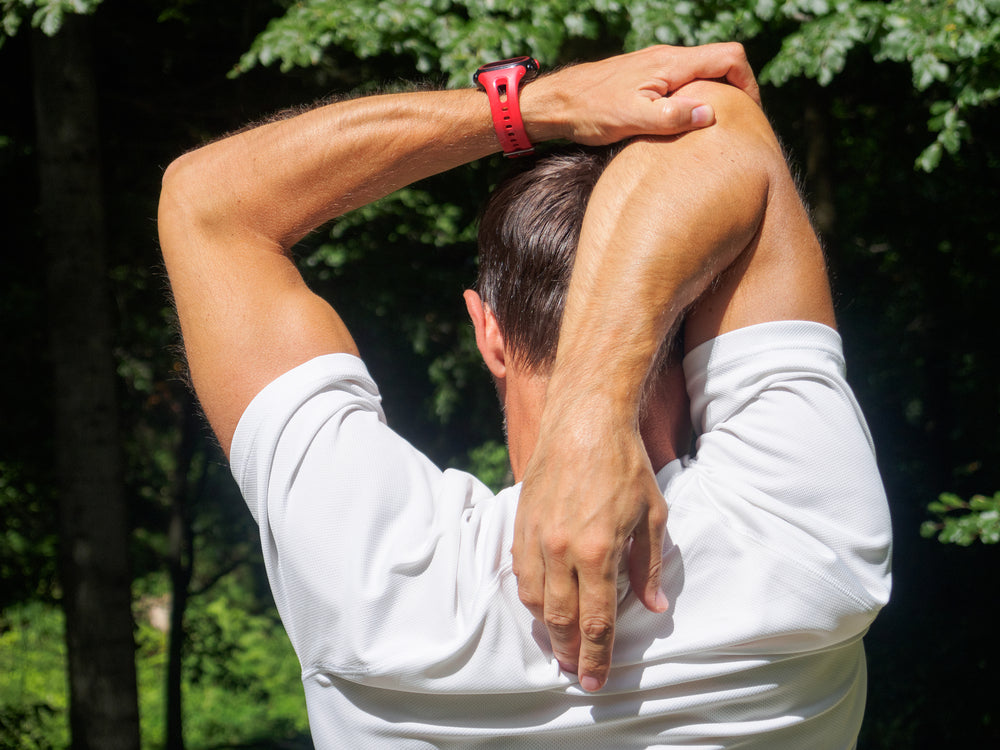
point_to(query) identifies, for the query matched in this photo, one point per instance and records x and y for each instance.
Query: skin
(668, 217)
(230, 212)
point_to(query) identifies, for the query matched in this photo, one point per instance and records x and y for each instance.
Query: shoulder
(282, 420)
(785, 453)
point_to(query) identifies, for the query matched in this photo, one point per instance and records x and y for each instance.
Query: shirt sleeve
(385, 569)
(785, 446)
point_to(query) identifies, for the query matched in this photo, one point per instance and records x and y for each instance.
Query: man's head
(528, 236)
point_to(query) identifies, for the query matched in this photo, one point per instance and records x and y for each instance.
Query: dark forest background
(133, 605)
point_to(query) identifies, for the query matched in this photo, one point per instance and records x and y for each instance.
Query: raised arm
(230, 211)
(665, 220)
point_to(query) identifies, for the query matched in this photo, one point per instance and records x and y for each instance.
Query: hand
(588, 489)
(613, 99)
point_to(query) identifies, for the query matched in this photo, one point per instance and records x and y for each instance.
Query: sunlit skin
(231, 211)
(665, 424)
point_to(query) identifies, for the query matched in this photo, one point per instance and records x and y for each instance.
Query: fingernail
(589, 683)
(703, 115)
(660, 601)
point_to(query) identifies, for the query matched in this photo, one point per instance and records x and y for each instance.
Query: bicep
(246, 316)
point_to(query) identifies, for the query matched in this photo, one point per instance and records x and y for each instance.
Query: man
(395, 580)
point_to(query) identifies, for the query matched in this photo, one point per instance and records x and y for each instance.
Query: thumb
(679, 114)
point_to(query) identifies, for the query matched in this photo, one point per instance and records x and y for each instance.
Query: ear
(489, 340)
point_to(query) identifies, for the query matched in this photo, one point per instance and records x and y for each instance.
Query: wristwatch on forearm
(501, 80)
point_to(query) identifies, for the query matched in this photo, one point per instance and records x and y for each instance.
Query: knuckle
(529, 599)
(597, 629)
(669, 109)
(557, 544)
(734, 49)
(655, 568)
(595, 551)
(595, 663)
(655, 562)
(559, 622)
(530, 596)
(658, 515)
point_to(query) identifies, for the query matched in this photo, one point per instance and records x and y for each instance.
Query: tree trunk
(181, 555)
(818, 166)
(93, 527)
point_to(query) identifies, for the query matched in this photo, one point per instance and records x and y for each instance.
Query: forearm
(230, 211)
(588, 494)
(280, 180)
(275, 183)
(665, 219)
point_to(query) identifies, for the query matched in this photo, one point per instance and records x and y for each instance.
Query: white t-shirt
(393, 578)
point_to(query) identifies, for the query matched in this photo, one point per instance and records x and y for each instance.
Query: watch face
(527, 62)
(512, 62)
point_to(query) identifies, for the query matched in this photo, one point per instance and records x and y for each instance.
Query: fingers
(581, 602)
(560, 614)
(530, 573)
(669, 115)
(726, 60)
(576, 603)
(598, 609)
(646, 560)
(739, 73)
(629, 95)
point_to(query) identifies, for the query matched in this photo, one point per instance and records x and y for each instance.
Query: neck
(665, 424)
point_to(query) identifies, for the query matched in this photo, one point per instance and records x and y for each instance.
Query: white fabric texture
(393, 578)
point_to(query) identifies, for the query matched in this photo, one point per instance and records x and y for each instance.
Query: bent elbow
(186, 206)
(174, 189)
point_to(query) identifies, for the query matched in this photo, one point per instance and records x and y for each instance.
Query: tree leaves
(980, 519)
(441, 36)
(952, 48)
(46, 15)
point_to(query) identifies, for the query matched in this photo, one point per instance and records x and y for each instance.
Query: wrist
(592, 408)
(502, 81)
(542, 109)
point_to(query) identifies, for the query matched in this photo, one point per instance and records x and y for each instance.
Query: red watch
(501, 81)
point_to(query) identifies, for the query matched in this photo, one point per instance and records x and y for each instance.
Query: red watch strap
(502, 87)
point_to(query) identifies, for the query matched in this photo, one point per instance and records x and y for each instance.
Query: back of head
(528, 236)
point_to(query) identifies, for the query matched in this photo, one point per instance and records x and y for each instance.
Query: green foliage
(963, 522)
(26, 727)
(952, 48)
(909, 276)
(366, 264)
(27, 538)
(46, 15)
(241, 676)
(33, 696)
(491, 463)
(440, 36)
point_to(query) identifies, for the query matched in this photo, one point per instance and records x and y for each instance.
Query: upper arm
(710, 218)
(246, 315)
(781, 273)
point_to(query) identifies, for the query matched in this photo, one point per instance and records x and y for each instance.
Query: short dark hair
(528, 234)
